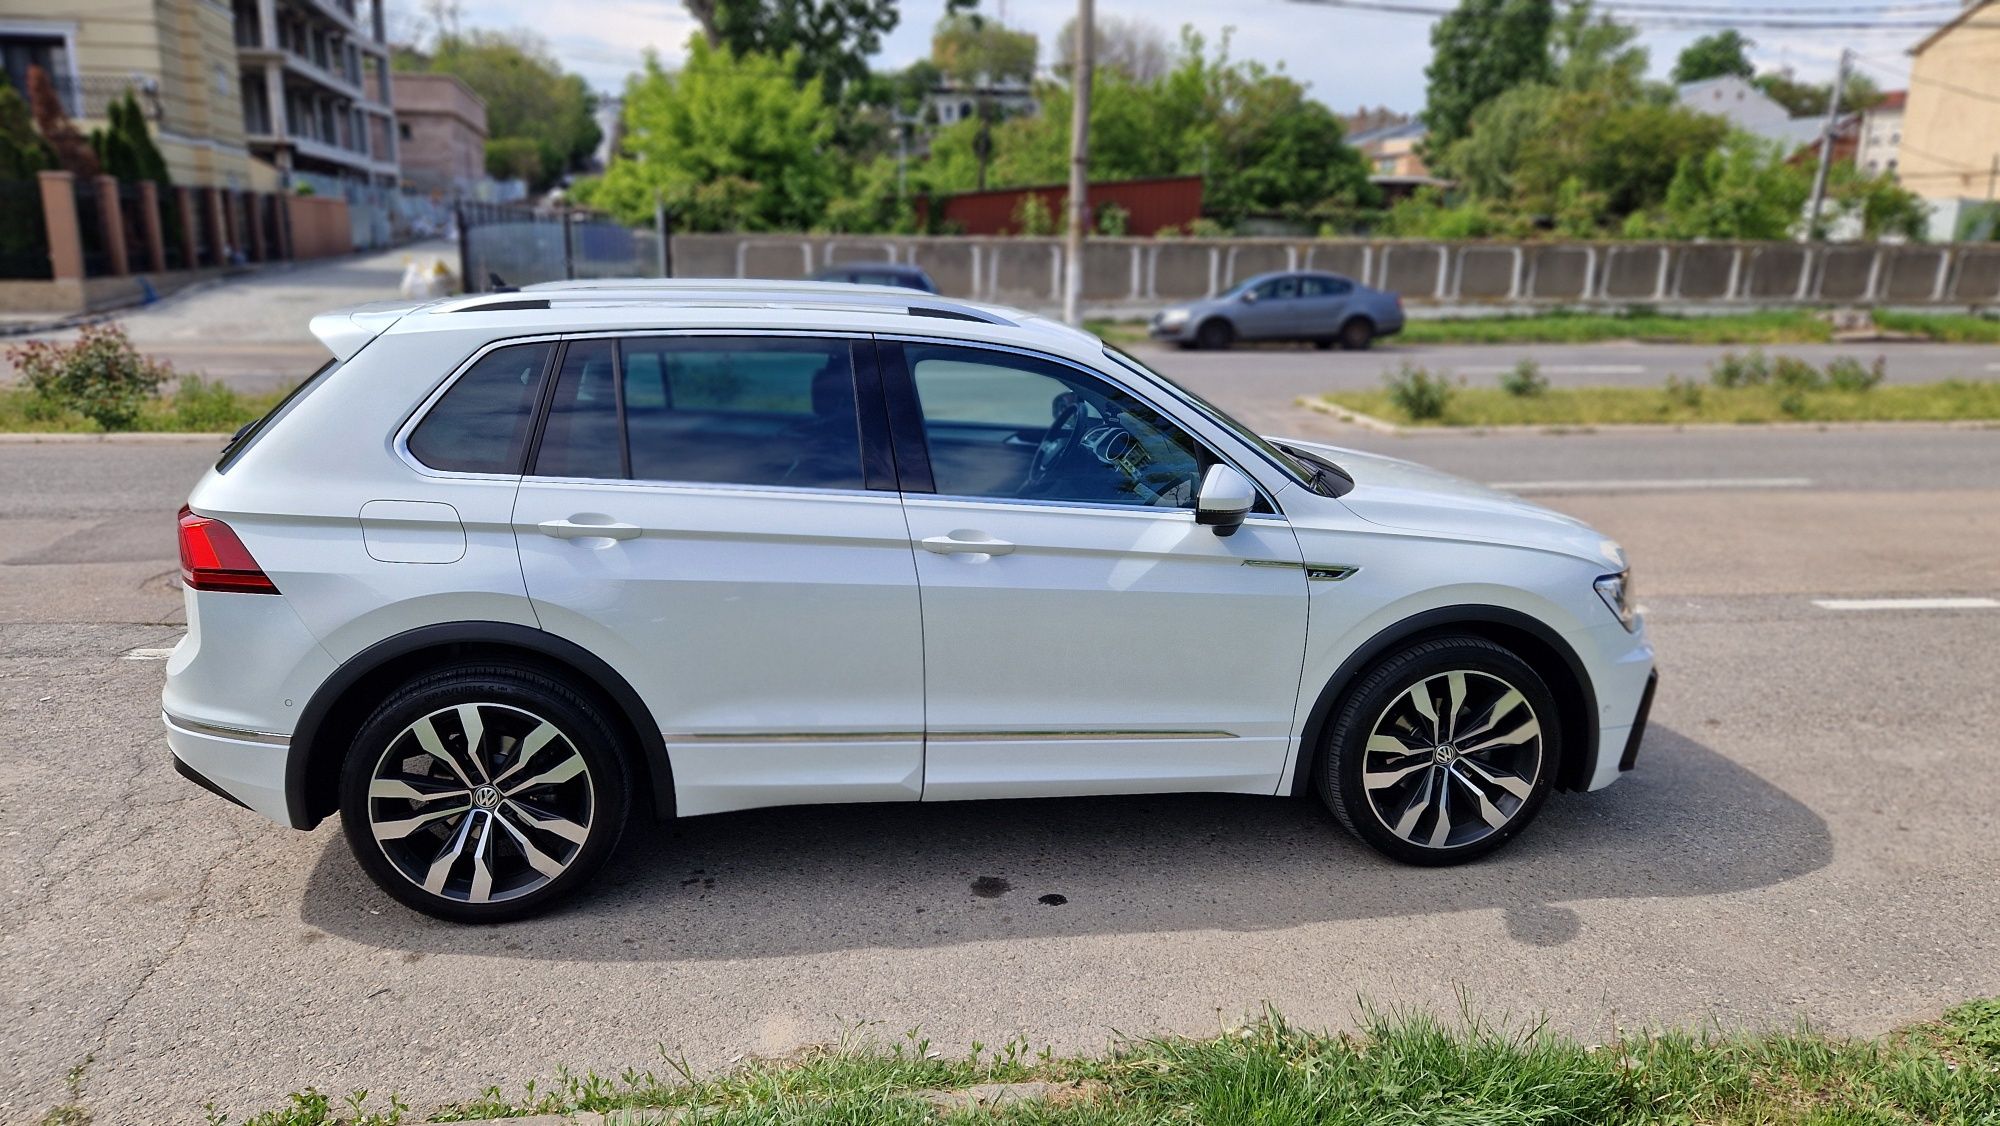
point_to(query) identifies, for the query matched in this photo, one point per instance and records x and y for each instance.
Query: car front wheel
(1215, 335)
(1443, 752)
(483, 794)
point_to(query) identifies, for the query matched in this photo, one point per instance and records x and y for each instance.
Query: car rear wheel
(1215, 335)
(1442, 753)
(483, 794)
(1357, 335)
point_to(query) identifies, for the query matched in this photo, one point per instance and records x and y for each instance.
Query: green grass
(194, 406)
(1398, 1068)
(1945, 328)
(1782, 326)
(1953, 400)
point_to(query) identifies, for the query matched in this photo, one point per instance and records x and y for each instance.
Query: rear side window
(769, 411)
(481, 423)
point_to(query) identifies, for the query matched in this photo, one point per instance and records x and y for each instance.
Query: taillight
(212, 558)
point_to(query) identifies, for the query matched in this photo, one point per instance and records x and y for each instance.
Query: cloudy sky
(1349, 58)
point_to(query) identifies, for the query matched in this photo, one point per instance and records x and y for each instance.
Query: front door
(698, 515)
(1082, 635)
(1274, 314)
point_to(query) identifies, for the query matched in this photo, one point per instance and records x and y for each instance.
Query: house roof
(1893, 100)
(1951, 25)
(1388, 133)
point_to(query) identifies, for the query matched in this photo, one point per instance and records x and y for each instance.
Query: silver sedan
(1326, 309)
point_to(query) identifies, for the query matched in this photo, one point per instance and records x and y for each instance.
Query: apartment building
(317, 101)
(176, 57)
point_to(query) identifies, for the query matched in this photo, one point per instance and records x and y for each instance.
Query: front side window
(1279, 289)
(715, 410)
(1015, 427)
(481, 423)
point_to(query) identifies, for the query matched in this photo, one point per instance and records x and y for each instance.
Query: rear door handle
(966, 543)
(585, 528)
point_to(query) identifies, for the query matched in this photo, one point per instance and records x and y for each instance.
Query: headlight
(1173, 318)
(1616, 591)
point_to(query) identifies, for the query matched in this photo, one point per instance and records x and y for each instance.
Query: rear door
(699, 513)
(1323, 302)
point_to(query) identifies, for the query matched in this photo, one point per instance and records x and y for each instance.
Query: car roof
(639, 304)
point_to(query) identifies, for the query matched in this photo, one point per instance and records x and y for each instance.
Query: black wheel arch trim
(1579, 757)
(305, 764)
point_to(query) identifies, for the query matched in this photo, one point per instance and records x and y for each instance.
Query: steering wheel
(1055, 447)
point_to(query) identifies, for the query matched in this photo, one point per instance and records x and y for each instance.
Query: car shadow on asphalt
(765, 883)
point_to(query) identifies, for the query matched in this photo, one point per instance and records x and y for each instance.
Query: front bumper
(1176, 331)
(1630, 758)
(247, 767)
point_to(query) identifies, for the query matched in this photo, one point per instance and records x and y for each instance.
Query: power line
(1918, 80)
(1753, 20)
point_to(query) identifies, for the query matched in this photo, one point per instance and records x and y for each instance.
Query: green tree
(729, 141)
(833, 38)
(1809, 99)
(967, 47)
(1715, 56)
(514, 158)
(1742, 189)
(22, 150)
(526, 91)
(1589, 51)
(1480, 50)
(125, 147)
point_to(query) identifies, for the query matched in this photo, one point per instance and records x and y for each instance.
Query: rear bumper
(247, 767)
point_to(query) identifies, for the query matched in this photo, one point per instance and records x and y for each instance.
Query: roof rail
(735, 292)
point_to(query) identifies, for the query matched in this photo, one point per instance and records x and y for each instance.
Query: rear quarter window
(481, 423)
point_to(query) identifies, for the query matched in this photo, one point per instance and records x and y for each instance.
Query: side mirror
(1249, 297)
(1226, 497)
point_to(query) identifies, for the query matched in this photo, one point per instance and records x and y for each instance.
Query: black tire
(1215, 335)
(1357, 335)
(1323, 343)
(526, 829)
(1383, 698)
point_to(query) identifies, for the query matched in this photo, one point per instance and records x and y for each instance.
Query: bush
(1793, 403)
(1113, 221)
(1795, 374)
(1732, 370)
(1526, 380)
(1850, 374)
(1032, 217)
(1684, 392)
(1418, 393)
(101, 376)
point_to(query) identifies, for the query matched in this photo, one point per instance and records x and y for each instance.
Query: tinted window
(1326, 287)
(999, 425)
(481, 423)
(730, 410)
(717, 410)
(1279, 289)
(581, 438)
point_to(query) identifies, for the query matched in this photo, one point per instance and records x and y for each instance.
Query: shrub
(1732, 370)
(1795, 374)
(1793, 403)
(101, 376)
(1113, 221)
(1526, 380)
(1418, 393)
(1032, 216)
(1684, 392)
(1849, 374)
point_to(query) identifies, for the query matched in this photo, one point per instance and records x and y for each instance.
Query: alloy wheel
(1453, 759)
(481, 802)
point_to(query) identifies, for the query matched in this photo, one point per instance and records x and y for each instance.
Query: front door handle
(583, 527)
(966, 543)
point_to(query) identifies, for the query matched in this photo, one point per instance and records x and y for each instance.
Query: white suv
(514, 568)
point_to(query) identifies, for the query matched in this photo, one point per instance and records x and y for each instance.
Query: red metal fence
(1167, 201)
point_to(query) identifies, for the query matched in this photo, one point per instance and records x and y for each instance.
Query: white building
(1881, 137)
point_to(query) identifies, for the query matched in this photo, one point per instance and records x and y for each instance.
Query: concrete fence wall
(1130, 274)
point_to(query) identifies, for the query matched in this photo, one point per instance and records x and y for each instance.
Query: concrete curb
(984, 1096)
(1383, 426)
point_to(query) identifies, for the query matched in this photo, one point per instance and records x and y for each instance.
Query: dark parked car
(878, 273)
(1326, 309)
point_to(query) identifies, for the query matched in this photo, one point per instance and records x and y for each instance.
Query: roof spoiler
(347, 331)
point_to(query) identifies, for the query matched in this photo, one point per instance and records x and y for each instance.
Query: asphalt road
(1808, 835)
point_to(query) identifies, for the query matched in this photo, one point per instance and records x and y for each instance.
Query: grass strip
(1399, 1068)
(1776, 326)
(196, 406)
(1949, 401)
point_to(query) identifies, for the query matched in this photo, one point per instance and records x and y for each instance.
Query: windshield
(1284, 461)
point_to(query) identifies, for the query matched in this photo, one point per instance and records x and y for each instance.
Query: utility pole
(1079, 158)
(1826, 143)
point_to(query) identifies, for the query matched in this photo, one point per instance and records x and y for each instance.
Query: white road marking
(1641, 484)
(1907, 603)
(1556, 369)
(148, 654)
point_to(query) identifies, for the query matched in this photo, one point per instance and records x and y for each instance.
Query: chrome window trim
(883, 495)
(1267, 519)
(1207, 441)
